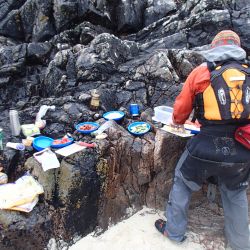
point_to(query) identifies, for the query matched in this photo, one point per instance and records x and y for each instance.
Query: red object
(87, 127)
(242, 135)
(88, 145)
(61, 141)
(197, 81)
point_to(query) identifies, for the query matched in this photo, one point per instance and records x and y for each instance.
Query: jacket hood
(222, 53)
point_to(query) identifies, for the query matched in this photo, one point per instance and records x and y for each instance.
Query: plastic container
(93, 127)
(30, 130)
(15, 126)
(144, 128)
(163, 114)
(42, 142)
(113, 115)
(62, 144)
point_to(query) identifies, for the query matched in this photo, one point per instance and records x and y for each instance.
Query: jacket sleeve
(183, 105)
(196, 82)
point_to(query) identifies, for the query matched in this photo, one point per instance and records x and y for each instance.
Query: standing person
(219, 91)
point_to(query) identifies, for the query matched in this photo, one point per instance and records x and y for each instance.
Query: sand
(135, 233)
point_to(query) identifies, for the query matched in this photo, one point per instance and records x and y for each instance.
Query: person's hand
(176, 127)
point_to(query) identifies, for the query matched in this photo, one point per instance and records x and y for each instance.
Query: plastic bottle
(18, 146)
(14, 122)
(95, 100)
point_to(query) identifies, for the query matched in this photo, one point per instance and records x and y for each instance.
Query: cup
(134, 109)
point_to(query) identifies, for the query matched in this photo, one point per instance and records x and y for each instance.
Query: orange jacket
(197, 81)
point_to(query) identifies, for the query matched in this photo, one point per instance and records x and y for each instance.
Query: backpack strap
(211, 66)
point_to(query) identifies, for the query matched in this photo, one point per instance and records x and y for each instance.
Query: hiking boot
(160, 226)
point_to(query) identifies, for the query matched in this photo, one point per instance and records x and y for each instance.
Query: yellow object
(21, 193)
(211, 108)
(224, 98)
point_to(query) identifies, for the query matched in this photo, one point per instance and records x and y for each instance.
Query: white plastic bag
(47, 158)
(42, 112)
(23, 192)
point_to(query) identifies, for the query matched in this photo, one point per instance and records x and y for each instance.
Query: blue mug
(134, 109)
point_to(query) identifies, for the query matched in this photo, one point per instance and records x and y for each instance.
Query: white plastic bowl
(163, 114)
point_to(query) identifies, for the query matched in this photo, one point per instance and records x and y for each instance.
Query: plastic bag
(30, 130)
(103, 127)
(23, 192)
(42, 112)
(47, 158)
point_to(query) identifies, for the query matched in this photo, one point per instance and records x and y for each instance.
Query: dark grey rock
(78, 192)
(108, 100)
(31, 227)
(47, 179)
(129, 15)
(38, 52)
(156, 9)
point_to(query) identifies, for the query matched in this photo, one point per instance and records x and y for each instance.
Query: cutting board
(169, 129)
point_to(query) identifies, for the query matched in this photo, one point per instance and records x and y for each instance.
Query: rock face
(143, 175)
(67, 209)
(55, 52)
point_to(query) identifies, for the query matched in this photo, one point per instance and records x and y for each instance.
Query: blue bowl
(42, 142)
(62, 144)
(113, 115)
(135, 124)
(95, 124)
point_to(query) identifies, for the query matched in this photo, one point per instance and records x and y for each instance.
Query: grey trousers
(235, 205)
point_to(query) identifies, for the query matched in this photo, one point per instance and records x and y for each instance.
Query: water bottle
(14, 122)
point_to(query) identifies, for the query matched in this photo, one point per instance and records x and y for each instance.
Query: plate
(61, 145)
(194, 130)
(132, 128)
(94, 126)
(42, 142)
(114, 115)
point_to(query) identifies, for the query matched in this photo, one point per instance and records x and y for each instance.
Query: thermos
(14, 122)
(1, 139)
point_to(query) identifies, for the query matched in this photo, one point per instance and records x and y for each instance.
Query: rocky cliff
(55, 52)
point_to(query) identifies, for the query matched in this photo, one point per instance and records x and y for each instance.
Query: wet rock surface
(55, 52)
